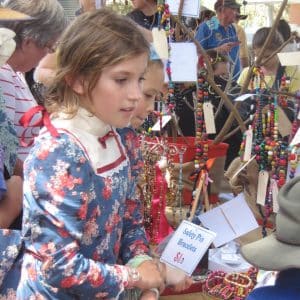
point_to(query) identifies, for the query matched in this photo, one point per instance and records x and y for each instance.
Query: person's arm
(242, 77)
(45, 71)
(8, 91)
(11, 204)
(202, 35)
(244, 53)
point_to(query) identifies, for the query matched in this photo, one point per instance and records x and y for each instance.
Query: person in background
(153, 86)
(82, 222)
(285, 30)
(11, 185)
(220, 68)
(85, 5)
(144, 13)
(244, 52)
(34, 39)
(219, 34)
(205, 15)
(45, 70)
(272, 70)
(280, 251)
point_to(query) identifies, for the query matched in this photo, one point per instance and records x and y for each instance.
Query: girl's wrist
(133, 277)
(155, 291)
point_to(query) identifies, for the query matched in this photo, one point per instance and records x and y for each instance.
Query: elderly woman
(34, 39)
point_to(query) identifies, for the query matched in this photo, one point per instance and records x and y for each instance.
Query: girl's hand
(183, 285)
(150, 276)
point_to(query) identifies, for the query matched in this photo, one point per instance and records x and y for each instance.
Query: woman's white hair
(47, 23)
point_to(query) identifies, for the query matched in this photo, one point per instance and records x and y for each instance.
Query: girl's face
(88, 5)
(140, 4)
(152, 86)
(30, 55)
(117, 92)
(271, 65)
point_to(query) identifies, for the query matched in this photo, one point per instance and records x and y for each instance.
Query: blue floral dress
(82, 220)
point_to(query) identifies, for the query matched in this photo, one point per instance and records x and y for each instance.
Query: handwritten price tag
(179, 258)
(187, 246)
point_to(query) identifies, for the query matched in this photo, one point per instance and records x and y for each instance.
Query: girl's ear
(76, 84)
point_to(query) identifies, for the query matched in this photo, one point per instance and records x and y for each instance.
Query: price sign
(187, 246)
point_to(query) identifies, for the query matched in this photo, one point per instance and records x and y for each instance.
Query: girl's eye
(149, 97)
(141, 79)
(121, 80)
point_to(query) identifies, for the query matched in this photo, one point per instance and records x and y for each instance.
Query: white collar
(86, 121)
(105, 157)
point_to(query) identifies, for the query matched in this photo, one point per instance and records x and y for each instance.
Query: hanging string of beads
(294, 150)
(201, 142)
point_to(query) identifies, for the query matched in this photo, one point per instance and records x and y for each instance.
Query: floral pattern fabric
(79, 227)
(8, 138)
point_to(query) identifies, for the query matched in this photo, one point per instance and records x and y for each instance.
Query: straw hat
(7, 14)
(280, 250)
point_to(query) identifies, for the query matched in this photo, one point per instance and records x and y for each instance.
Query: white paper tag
(187, 246)
(183, 67)
(243, 97)
(289, 58)
(274, 189)
(160, 124)
(284, 124)
(298, 117)
(160, 43)
(296, 139)
(191, 8)
(209, 118)
(230, 220)
(248, 144)
(263, 178)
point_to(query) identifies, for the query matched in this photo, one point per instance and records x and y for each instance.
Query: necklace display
(271, 150)
(294, 158)
(159, 158)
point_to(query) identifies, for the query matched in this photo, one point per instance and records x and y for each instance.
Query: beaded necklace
(271, 150)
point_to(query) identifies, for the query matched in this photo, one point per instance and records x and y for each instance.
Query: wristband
(156, 291)
(133, 277)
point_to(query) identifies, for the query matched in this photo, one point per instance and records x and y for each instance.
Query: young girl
(153, 85)
(82, 222)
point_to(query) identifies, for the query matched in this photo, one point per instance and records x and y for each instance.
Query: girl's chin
(136, 122)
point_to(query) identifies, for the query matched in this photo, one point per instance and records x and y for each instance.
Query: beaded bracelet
(213, 279)
(241, 283)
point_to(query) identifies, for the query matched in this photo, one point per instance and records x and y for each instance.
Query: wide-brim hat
(280, 250)
(7, 14)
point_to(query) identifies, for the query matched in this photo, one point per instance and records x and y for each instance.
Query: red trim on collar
(116, 162)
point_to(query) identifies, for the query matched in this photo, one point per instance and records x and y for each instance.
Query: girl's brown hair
(261, 35)
(94, 41)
